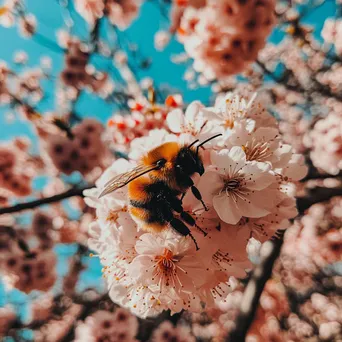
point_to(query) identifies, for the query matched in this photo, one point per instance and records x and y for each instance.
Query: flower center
(165, 262)
(258, 151)
(112, 216)
(232, 184)
(166, 269)
(229, 123)
(189, 128)
(234, 187)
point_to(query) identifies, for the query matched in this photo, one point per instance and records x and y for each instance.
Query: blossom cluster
(145, 115)
(24, 85)
(310, 246)
(108, 326)
(265, 327)
(325, 143)
(120, 13)
(17, 169)
(332, 33)
(247, 187)
(12, 12)
(27, 258)
(78, 149)
(316, 241)
(274, 320)
(223, 37)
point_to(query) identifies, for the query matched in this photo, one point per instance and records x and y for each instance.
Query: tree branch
(250, 301)
(148, 326)
(39, 202)
(315, 195)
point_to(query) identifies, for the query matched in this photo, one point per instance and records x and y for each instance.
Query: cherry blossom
(103, 325)
(245, 188)
(145, 115)
(237, 186)
(83, 150)
(325, 141)
(91, 10)
(192, 124)
(156, 137)
(171, 266)
(167, 332)
(122, 13)
(161, 39)
(32, 272)
(214, 35)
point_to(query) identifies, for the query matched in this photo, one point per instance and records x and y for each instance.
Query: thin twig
(47, 200)
(147, 326)
(315, 195)
(250, 301)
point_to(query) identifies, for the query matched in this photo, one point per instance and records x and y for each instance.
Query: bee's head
(188, 161)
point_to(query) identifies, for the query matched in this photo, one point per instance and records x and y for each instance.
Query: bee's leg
(176, 205)
(170, 204)
(196, 193)
(182, 197)
(182, 229)
(186, 217)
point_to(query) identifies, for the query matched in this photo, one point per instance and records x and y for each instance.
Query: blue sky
(50, 19)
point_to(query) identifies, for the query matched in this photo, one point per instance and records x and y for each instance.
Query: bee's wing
(123, 179)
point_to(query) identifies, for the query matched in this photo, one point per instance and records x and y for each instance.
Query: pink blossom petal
(227, 209)
(228, 160)
(238, 156)
(251, 208)
(210, 185)
(148, 244)
(176, 120)
(266, 133)
(257, 175)
(192, 111)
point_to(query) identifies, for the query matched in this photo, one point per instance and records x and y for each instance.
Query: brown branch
(148, 326)
(315, 195)
(250, 300)
(88, 308)
(313, 172)
(47, 200)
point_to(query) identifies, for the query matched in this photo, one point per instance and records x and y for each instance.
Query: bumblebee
(156, 187)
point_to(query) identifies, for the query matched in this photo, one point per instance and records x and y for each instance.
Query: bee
(157, 186)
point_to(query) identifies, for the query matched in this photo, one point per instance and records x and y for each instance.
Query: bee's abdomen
(148, 205)
(143, 207)
(147, 218)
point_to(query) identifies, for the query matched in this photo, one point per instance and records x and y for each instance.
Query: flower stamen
(257, 150)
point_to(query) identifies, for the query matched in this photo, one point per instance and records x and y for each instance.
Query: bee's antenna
(205, 141)
(193, 143)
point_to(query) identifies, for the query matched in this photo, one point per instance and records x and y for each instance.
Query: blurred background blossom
(87, 84)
